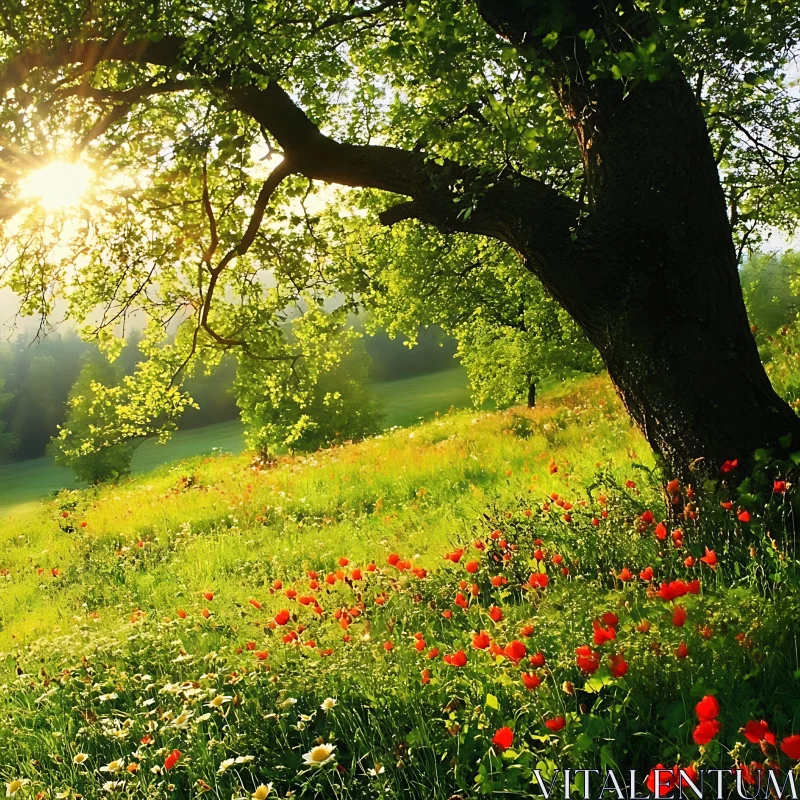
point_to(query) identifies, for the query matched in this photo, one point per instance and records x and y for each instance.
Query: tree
(340, 408)
(626, 154)
(98, 462)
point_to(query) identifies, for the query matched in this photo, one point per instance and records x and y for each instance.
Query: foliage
(103, 462)
(195, 224)
(229, 621)
(510, 333)
(340, 408)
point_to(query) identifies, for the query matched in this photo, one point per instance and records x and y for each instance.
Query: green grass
(404, 402)
(138, 620)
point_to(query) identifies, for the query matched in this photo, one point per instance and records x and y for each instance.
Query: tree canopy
(215, 135)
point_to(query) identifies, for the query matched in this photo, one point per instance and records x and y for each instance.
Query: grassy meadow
(403, 402)
(436, 612)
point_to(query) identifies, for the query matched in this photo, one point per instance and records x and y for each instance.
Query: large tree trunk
(655, 284)
(666, 310)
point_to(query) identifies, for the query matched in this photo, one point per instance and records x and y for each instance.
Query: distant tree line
(36, 378)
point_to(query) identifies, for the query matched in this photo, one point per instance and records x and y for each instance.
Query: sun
(58, 185)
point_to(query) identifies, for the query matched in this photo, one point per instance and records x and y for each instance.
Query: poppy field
(462, 608)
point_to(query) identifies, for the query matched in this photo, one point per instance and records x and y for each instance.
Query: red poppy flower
(527, 630)
(172, 759)
(455, 556)
(588, 660)
(388, 646)
(707, 708)
(208, 596)
(356, 575)
(433, 653)
(537, 659)
(538, 580)
(393, 559)
(661, 531)
(743, 515)
(727, 505)
(791, 746)
(282, 617)
(495, 613)
(471, 567)
(255, 604)
(666, 781)
(710, 558)
(705, 731)
(729, 466)
(503, 739)
(461, 601)
(758, 731)
(625, 575)
(480, 641)
(617, 665)
(499, 580)
(602, 634)
(343, 562)
(181, 613)
(693, 587)
(425, 677)
(458, 659)
(673, 486)
(678, 616)
(515, 651)
(531, 680)
(646, 574)
(779, 487)
(682, 651)
(555, 724)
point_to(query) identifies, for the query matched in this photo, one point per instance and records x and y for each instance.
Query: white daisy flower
(327, 704)
(319, 755)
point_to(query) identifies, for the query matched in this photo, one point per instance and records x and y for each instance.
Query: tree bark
(532, 395)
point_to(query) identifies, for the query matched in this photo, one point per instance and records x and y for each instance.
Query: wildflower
(328, 703)
(495, 613)
(625, 575)
(743, 516)
(678, 616)
(617, 665)
(758, 732)
(471, 567)
(457, 659)
(256, 605)
(665, 779)
(527, 630)
(503, 738)
(661, 531)
(388, 646)
(531, 680)
(282, 617)
(172, 759)
(208, 596)
(219, 701)
(14, 786)
(588, 660)
(114, 766)
(480, 641)
(708, 707)
(779, 487)
(706, 730)
(319, 755)
(555, 724)
(262, 791)
(710, 558)
(461, 601)
(80, 758)
(729, 466)
(646, 574)
(682, 651)
(791, 746)
(515, 651)
(425, 676)
(537, 659)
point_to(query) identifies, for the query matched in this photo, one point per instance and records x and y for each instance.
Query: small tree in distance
(98, 464)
